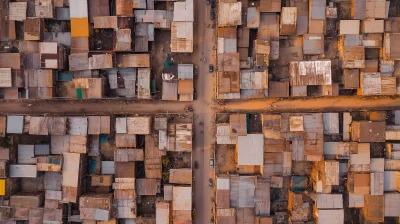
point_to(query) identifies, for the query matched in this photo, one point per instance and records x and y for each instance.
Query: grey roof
(318, 9)
(15, 124)
(42, 150)
(185, 71)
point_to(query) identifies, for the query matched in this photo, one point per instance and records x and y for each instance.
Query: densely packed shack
(92, 49)
(274, 48)
(308, 167)
(135, 169)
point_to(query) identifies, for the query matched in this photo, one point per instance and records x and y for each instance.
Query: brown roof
(227, 32)
(98, 8)
(238, 124)
(10, 60)
(228, 62)
(146, 186)
(269, 26)
(278, 89)
(185, 86)
(270, 5)
(124, 7)
(152, 162)
(243, 36)
(180, 176)
(228, 82)
(374, 207)
(376, 131)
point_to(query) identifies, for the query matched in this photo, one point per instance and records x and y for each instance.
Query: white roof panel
(251, 149)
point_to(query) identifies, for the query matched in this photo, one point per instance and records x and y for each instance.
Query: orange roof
(79, 27)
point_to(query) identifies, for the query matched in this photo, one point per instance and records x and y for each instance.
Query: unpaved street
(204, 92)
(203, 107)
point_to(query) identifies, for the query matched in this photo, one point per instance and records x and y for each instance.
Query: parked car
(207, 2)
(212, 162)
(212, 13)
(211, 68)
(196, 164)
(210, 183)
(194, 95)
(212, 3)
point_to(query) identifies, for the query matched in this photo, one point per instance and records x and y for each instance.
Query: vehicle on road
(212, 162)
(212, 13)
(207, 2)
(194, 95)
(211, 68)
(196, 164)
(212, 3)
(210, 183)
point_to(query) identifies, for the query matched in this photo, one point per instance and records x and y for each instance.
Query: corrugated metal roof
(251, 149)
(78, 125)
(146, 186)
(361, 160)
(62, 14)
(370, 83)
(70, 170)
(170, 91)
(105, 22)
(26, 154)
(78, 9)
(42, 149)
(250, 79)
(107, 167)
(133, 60)
(59, 144)
(183, 11)
(182, 37)
(242, 190)
(185, 71)
(5, 77)
(17, 11)
(23, 171)
(124, 40)
(180, 176)
(328, 201)
(392, 204)
(139, 4)
(331, 123)
(229, 13)
(168, 192)
(223, 183)
(160, 18)
(128, 155)
(317, 8)
(183, 137)
(310, 73)
(332, 216)
(98, 8)
(162, 213)
(120, 125)
(162, 140)
(253, 17)
(182, 198)
(139, 125)
(15, 124)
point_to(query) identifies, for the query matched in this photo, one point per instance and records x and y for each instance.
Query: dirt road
(203, 107)
(205, 93)
(337, 103)
(71, 107)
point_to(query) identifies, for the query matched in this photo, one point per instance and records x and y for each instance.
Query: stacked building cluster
(104, 169)
(91, 49)
(272, 48)
(308, 167)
